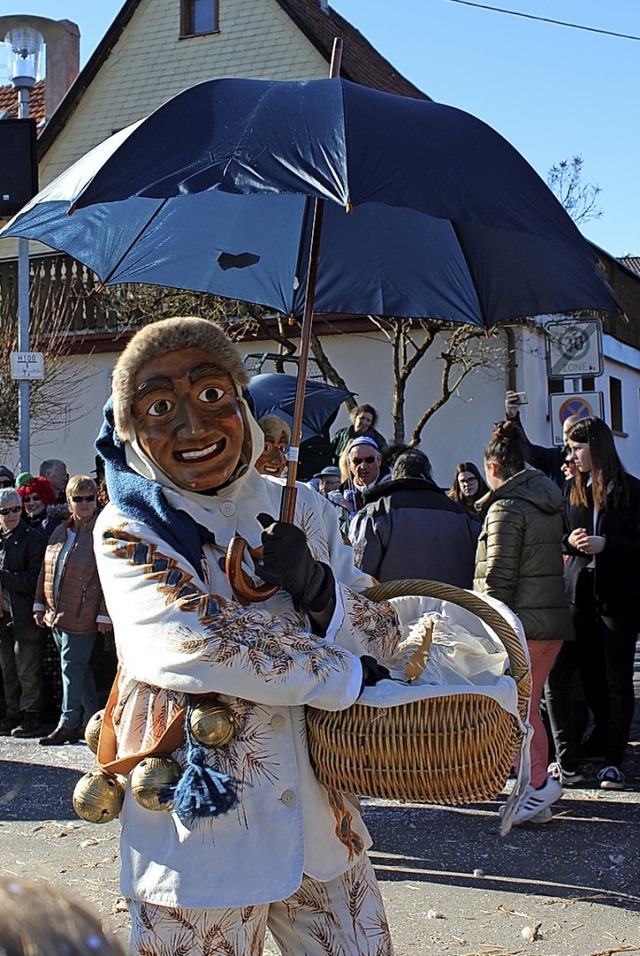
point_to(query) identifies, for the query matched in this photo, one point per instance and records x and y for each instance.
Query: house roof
(631, 262)
(361, 62)
(9, 101)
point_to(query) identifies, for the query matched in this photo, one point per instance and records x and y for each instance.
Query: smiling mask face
(187, 418)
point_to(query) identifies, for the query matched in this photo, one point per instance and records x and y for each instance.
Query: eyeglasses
(78, 498)
(10, 511)
(369, 460)
(29, 498)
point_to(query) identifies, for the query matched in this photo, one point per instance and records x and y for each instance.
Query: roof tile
(9, 102)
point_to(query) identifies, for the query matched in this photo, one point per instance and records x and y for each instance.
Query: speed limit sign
(574, 348)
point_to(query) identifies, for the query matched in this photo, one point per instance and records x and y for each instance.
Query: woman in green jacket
(519, 562)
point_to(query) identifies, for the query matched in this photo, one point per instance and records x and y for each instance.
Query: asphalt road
(452, 885)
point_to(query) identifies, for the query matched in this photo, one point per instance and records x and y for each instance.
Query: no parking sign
(583, 404)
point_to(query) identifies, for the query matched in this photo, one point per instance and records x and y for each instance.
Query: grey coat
(519, 554)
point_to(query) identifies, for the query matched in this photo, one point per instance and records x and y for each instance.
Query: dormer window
(198, 16)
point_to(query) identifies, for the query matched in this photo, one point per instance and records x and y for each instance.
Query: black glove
(372, 672)
(288, 563)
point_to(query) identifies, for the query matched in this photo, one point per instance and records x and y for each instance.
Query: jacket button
(289, 798)
(278, 722)
(228, 509)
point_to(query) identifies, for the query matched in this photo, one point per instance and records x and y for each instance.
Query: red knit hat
(38, 486)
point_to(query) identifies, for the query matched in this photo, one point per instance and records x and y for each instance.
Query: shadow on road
(29, 791)
(589, 850)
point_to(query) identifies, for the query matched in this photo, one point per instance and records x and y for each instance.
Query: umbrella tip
(72, 208)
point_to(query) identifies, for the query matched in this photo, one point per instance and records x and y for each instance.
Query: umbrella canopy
(275, 393)
(429, 212)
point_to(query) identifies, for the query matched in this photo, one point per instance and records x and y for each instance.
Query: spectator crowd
(52, 607)
(554, 533)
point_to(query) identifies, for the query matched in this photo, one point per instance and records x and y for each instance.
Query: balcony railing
(66, 300)
(64, 297)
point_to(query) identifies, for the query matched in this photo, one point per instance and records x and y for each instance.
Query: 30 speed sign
(574, 348)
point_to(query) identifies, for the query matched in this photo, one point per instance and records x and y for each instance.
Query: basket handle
(471, 601)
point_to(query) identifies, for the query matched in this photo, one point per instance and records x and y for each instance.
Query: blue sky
(552, 91)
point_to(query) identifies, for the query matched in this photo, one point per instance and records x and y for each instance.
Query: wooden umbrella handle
(243, 587)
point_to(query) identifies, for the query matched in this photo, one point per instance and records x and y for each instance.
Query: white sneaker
(536, 801)
(544, 816)
(566, 778)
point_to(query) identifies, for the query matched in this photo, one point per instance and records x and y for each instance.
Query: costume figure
(181, 480)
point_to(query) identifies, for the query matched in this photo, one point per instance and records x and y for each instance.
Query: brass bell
(98, 797)
(150, 776)
(92, 731)
(212, 724)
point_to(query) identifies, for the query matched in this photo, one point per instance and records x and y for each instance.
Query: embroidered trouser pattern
(344, 917)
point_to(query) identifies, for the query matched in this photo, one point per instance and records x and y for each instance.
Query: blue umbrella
(321, 197)
(275, 393)
(429, 212)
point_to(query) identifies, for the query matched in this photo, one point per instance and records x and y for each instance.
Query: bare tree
(54, 302)
(579, 199)
(463, 350)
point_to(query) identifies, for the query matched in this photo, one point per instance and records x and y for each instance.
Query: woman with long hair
(602, 519)
(468, 486)
(519, 562)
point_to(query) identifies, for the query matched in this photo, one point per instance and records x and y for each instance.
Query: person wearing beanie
(253, 839)
(366, 470)
(6, 477)
(23, 478)
(36, 495)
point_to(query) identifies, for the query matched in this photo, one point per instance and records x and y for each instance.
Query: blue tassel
(200, 791)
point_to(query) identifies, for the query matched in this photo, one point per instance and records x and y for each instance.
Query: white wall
(73, 442)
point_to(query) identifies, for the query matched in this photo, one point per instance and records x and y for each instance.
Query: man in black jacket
(21, 643)
(547, 460)
(410, 528)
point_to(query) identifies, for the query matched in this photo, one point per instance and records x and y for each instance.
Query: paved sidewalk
(452, 885)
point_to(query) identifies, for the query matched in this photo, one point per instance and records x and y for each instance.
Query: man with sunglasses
(21, 646)
(366, 470)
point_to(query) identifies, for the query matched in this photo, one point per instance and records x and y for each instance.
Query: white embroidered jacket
(179, 631)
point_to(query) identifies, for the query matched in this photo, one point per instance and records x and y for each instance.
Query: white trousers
(344, 917)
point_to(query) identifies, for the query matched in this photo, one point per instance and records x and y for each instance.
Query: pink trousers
(543, 655)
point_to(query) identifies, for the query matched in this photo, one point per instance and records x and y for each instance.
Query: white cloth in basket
(466, 655)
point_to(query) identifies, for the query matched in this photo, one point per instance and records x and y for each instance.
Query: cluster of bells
(98, 796)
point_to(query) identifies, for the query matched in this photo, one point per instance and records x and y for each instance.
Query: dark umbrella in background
(321, 196)
(274, 393)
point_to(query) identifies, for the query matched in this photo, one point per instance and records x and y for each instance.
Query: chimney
(63, 65)
(324, 6)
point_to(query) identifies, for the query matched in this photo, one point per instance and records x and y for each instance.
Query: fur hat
(159, 338)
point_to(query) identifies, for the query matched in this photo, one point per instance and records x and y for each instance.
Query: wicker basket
(449, 750)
